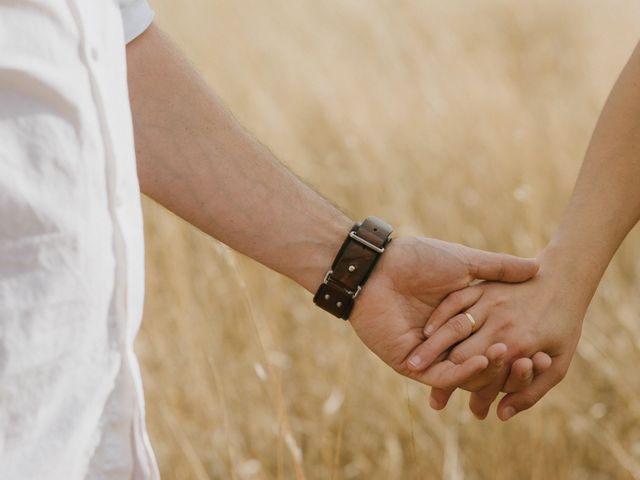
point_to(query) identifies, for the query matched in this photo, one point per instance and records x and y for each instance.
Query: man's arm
(196, 160)
(546, 313)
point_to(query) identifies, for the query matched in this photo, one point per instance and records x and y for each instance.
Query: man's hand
(411, 279)
(542, 315)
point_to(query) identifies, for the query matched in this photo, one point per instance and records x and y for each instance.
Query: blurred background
(468, 120)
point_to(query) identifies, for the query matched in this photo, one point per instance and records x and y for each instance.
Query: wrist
(312, 257)
(352, 266)
(575, 275)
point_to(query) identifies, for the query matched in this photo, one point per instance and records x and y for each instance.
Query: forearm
(605, 204)
(195, 159)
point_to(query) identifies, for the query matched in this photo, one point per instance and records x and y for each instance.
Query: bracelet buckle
(352, 293)
(361, 240)
(352, 266)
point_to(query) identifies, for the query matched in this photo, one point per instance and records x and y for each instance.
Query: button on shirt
(71, 246)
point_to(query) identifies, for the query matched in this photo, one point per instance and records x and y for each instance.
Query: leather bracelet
(352, 266)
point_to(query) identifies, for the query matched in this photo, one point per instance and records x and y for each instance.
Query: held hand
(542, 315)
(411, 279)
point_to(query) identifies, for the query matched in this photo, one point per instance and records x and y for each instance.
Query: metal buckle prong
(361, 240)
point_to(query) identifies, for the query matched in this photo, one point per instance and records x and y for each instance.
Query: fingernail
(433, 403)
(508, 413)
(415, 361)
(428, 330)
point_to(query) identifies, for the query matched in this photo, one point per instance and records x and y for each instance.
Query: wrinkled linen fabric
(71, 244)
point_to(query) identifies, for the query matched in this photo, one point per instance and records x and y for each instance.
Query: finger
(481, 401)
(480, 341)
(512, 403)
(524, 370)
(439, 397)
(453, 331)
(496, 354)
(448, 375)
(520, 376)
(541, 363)
(455, 303)
(501, 266)
(488, 383)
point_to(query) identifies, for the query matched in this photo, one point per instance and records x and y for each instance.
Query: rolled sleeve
(137, 15)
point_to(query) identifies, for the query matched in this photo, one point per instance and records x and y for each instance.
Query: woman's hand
(546, 313)
(414, 275)
(542, 315)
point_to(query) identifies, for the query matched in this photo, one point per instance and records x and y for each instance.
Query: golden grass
(468, 121)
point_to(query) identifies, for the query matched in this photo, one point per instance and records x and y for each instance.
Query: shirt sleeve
(137, 15)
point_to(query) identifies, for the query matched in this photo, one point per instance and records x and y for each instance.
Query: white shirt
(71, 245)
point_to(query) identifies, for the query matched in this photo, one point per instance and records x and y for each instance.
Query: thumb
(501, 267)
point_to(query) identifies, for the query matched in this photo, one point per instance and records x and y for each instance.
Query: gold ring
(472, 321)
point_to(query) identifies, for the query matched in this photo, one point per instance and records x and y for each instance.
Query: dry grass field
(467, 120)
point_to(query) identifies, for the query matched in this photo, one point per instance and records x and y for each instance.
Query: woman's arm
(546, 313)
(605, 204)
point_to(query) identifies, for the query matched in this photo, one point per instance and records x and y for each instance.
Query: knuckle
(472, 267)
(517, 350)
(502, 327)
(502, 269)
(455, 297)
(525, 346)
(458, 356)
(447, 383)
(525, 374)
(527, 400)
(459, 326)
(500, 299)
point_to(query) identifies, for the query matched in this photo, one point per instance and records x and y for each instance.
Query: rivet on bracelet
(339, 304)
(327, 296)
(352, 268)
